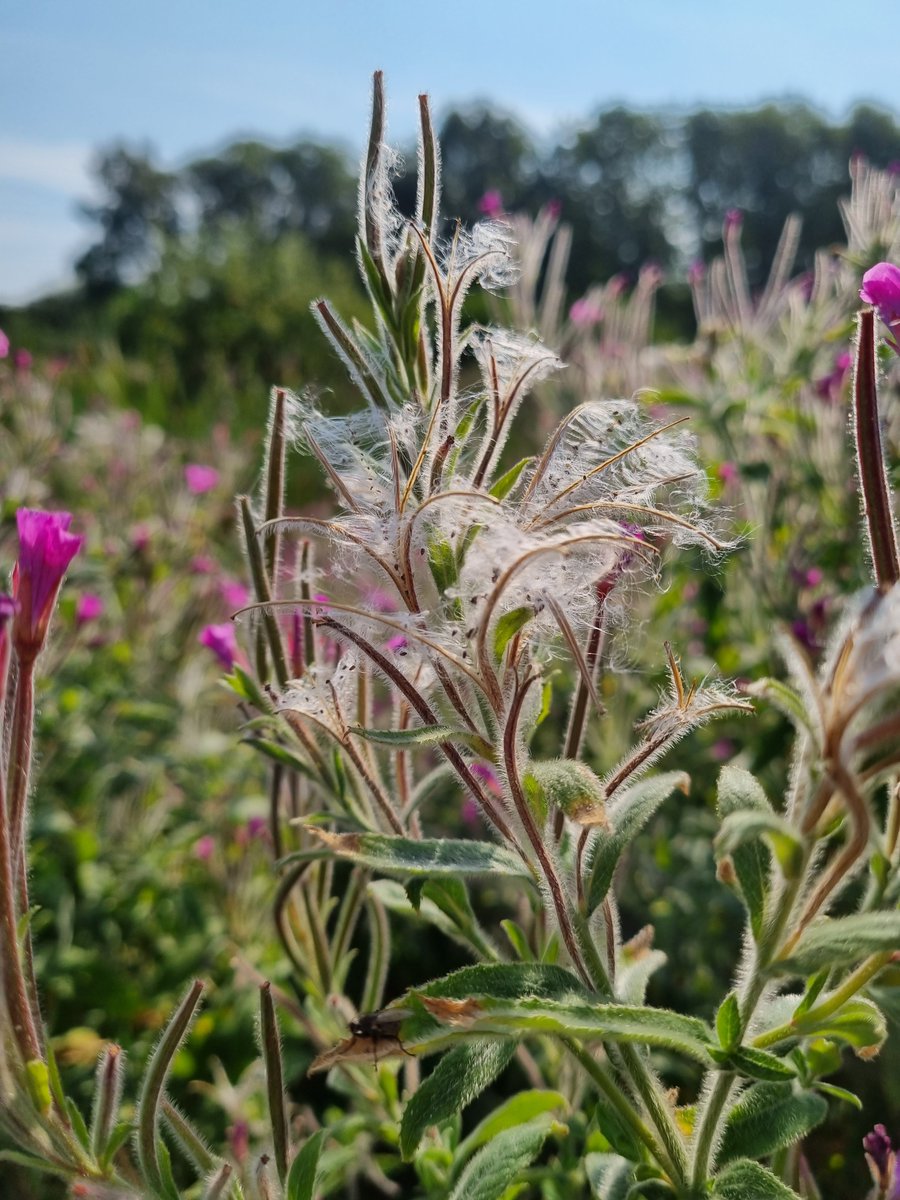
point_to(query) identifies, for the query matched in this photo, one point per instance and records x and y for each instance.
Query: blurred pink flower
(814, 577)
(4, 344)
(585, 312)
(397, 644)
(380, 601)
(491, 204)
(469, 812)
(22, 360)
(881, 288)
(202, 564)
(696, 272)
(553, 208)
(204, 847)
(727, 472)
(45, 550)
(200, 479)
(234, 593)
(487, 775)
(222, 641)
(734, 219)
(830, 386)
(88, 608)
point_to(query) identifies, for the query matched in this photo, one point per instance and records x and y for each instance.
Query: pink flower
(380, 601)
(234, 593)
(223, 643)
(7, 612)
(202, 564)
(734, 219)
(88, 608)
(491, 204)
(204, 847)
(398, 644)
(881, 288)
(45, 550)
(4, 344)
(696, 272)
(830, 386)
(200, 479)
(553, 209)
(585, 312)
(813, 577)
(22, 360)
(727, 472)
(487, 775)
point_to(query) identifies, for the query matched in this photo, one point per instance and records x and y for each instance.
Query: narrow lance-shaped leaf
(738, 791)
(270, 1042)
(839, 941)
(458, 1078)
(430, 856)
(627, 817)
(301, 1180)
(495, 1167)
(507, 628)
(517, 1110)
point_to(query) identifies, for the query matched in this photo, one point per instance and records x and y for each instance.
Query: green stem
(617, 1099)
(854, 983)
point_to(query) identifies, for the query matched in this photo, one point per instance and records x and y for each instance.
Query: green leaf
(517, 1110)
(728, 1022)
(508, 480)
(767, 1117)
(839, 941)
(785, 699)
(401, 739)
(430, 856)
(515, 999)
(738, 828)
(281, 755)
(508, 626)
(745, 1180)
(78, 1125)
(627, 817)
(759, 1064)
(518, 939)
(442, 561)
(497, 1164)
(860, 1023)
(610, 1176)
(572, 787)
(738, 791)
(34, 1163)
(458, 1078)
(839, 1093)
(813, 990)
(301, 1180)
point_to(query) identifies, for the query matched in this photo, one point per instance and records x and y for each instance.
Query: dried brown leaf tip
(340, 843)
(357, 1051)
(452, 1012)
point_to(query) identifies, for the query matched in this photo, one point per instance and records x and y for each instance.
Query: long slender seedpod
(271, 1048)
(873, 480)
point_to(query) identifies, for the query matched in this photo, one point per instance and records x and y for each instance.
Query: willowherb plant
(419, 662)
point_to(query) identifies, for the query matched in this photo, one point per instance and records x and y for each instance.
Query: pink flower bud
(4, 344)
(45, 550)
(200, 479)
(585, 312)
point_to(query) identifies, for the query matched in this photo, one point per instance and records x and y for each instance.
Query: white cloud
(60, 166)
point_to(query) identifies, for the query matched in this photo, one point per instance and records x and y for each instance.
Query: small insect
(378, 1027)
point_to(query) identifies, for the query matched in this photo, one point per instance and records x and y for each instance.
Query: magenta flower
(398, 644)
(585, 312)
(234, 593)
(491, 204)
(4, 344)
(883, 1163)
(223, 643)
(202, 564)
(7, 612)
(553, 209)
(488, 776)
(734, 219)
(88, 608)
(881, 289)
(200, 479)
(727, 472)
(22, 360)
(830, 386)
(45, 550)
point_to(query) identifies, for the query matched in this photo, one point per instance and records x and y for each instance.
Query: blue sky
(185, 77)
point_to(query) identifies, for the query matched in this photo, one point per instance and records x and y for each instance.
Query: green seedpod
(572, 787)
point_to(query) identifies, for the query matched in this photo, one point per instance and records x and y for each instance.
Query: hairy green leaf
(839, 941)
(759, 1064)
(518, 1109)
(728, 1022)
(860, 1023)
(748, 825)
(767, 1117)
(430, 856)
(745, 1180)
(497, 1164)
(458, 1078)
(739, 791)
(627, 817)
(610, 1176)
(401, 739)
(508, 480)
